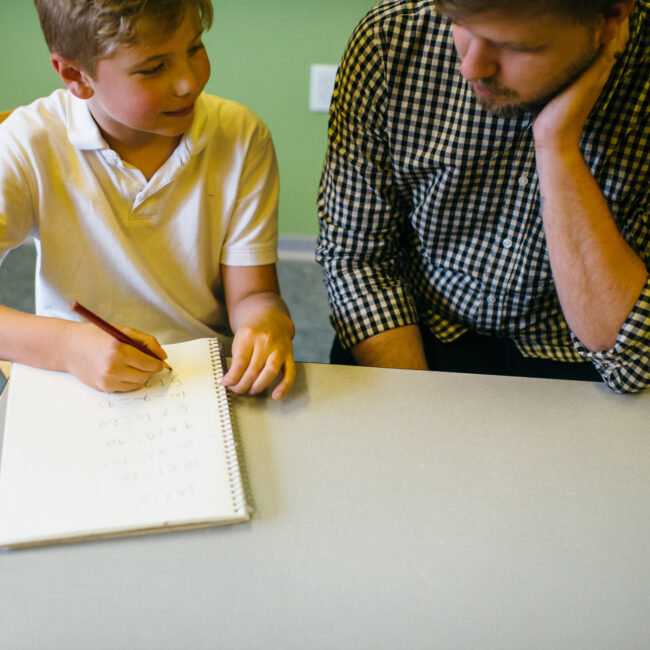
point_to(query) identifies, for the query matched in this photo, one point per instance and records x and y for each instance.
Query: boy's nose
(478, 61)
(187, 82)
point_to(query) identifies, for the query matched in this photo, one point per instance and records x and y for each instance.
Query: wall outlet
(321, 86)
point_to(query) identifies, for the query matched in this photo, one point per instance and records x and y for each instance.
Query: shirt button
(523, 180)
(507, 243)
(490, 299)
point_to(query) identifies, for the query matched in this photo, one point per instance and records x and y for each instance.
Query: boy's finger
(287, 380)
(125, 387)
(240, 361)
(268, 373)
(139, 361)
(246, 380)
(150, 342)
(132, 374)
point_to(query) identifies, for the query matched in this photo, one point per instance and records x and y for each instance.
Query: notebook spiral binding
(237, 476)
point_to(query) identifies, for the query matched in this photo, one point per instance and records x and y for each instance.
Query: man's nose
(479, 60)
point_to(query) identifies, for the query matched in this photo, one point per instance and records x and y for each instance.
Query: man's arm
(397, 348)
(363, 216)
(597, 275)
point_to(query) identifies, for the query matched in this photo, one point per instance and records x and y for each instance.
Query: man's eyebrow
(156, 57)
(513, 45)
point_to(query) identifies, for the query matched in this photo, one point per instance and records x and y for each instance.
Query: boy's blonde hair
(85, 31)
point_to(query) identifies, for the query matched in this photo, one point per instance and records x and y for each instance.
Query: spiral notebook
(78, 464)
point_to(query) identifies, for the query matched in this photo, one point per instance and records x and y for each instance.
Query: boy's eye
(151, 71)
(196, 48)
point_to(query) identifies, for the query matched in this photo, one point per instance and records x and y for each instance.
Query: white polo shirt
(140, 253)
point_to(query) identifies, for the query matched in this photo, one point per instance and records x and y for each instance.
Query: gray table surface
(394, 509)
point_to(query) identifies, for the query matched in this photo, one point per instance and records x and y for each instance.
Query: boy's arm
(263, 329)
(82, 349)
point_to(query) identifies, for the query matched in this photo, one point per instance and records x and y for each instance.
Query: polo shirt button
(523, 180)
(490, 299)
(507, 243)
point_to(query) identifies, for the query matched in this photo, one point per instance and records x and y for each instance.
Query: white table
(394, 509)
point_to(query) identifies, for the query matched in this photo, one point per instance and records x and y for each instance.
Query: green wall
(260, 51)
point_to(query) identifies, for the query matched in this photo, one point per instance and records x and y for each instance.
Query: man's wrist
(558, 158)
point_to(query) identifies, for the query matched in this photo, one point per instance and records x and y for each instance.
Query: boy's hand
(262, 347)
(105, 364)
(559, 125)
(261, 350)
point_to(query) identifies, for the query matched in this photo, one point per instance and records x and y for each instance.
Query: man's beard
(508, 106)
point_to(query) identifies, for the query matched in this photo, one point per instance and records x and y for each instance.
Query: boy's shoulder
(40, 123)
(43, 112)
(219, 118)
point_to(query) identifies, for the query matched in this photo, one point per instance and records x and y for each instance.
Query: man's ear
(77, 81)
(613, 18)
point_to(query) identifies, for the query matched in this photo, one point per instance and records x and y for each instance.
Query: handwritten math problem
(148, 439)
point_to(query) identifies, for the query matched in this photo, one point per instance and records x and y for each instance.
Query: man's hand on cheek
(559, 125)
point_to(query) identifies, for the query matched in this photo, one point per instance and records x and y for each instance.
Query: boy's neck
(144, 151)
(149, 156)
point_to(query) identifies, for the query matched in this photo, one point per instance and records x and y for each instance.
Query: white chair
(5, 365)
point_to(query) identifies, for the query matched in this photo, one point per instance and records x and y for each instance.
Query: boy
(149, 201)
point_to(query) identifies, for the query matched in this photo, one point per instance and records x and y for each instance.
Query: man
(484, 204)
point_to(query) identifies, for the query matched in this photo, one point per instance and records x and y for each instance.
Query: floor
(301, 282)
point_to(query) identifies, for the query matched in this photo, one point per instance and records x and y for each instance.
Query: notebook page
(79, 462)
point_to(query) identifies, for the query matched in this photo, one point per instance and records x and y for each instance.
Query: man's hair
(580, 11)
(85, 31)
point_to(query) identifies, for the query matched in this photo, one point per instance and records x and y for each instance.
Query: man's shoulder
(397, 25)
(400, 8)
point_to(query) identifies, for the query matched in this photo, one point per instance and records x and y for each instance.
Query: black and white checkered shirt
(429, 205)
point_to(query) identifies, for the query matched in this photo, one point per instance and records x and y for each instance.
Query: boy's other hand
(261, 351)
(107, 365)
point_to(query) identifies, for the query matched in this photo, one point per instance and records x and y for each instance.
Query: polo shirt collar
(83, 131)
(200, 132)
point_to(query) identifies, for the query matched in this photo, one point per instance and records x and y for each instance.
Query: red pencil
(113, 331)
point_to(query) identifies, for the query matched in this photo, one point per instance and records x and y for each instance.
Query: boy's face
(149, 88)
(519, 63)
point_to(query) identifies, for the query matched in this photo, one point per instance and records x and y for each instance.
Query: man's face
(517, 64)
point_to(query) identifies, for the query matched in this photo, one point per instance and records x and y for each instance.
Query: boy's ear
(77, 81)
(618, 12)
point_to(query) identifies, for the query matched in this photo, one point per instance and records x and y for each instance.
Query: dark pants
(484, 355)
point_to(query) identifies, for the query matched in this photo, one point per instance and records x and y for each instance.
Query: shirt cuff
(625, 368)
(361, 317)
